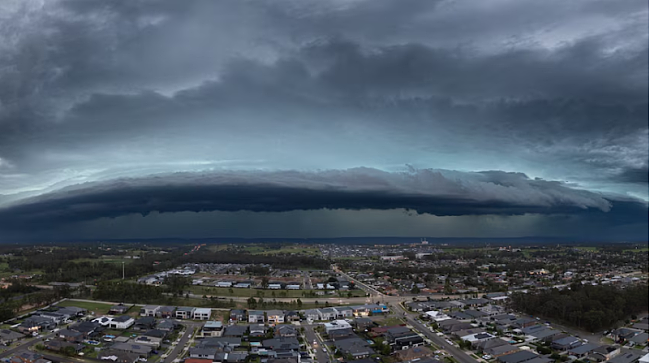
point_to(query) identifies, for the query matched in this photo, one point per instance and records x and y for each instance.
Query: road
(26, 344)
(310, 338)
(307, 282)
(187, 334)
(457, 353)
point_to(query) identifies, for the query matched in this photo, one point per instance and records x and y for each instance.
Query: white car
(486, 357)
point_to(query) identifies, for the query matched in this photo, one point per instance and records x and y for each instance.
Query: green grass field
(390, 322)
(297, 249)
(116, 259)
(585, 248)
(97, 308)
(644, 249)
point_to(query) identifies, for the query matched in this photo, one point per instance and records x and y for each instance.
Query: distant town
(316, 303)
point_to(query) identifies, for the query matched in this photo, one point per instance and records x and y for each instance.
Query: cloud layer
(91, 92)
(436, 192)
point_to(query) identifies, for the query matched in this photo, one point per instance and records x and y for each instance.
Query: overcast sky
(301, 118)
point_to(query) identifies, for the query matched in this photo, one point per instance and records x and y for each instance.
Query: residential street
(457, 353)
(26, 344)
(187, 334)
(311, 336)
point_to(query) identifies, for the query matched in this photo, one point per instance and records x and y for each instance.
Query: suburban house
(72, 311)
(639, 339)
(87, 328)
(165, 325)
(566, 343)
(312, 314)
(629, 357)
(582, 350)
(344, 312)
(275, 316)
(211, 329)
(501, 350)
(235, 331)
(149, 310)
(143, 351)
(166, 312)
(281, 344)
(524, 323)
(55, 316)
(203, 353)
(411, 354)
(201, 313)
(28, 357)
(257, 330)
(256, 316)
(237, 315)
(36, 323)
(286, 331)
(354, 346)
(363, 323)
(487, 344)
(9, 336)
(292, 316)
(145, 323)
(518, 357)
(121, 322)
(118, 356)
(327, 314)
(118, 309)
(148, 341)
(403, 338)
(70, 335)
(604, 352)
(335, 325)
(185, 312)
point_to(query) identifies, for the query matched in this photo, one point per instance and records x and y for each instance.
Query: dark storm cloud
(437, 192)
(634, 175)
(94, 90)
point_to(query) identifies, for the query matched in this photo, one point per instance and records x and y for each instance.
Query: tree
(265, 282)
(415, 290)
(69, 351)
(299, 303)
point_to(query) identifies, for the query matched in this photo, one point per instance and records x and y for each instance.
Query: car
(324, 350)
(486, 357)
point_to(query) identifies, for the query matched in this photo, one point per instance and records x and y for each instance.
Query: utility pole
(122, 270)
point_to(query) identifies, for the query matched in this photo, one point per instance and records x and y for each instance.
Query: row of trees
(127, 292)
(588, 307)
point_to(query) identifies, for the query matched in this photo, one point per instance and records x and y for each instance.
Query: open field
(116, 259)
(390, 322)
(644, 249)
(593, 249)
(297, 249)
(238, 292)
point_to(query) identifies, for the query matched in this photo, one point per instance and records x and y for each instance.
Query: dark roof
(566, 340)
(627, 357)
(583, 349)
(147, 320)
(235, 330)
(85, 327)
(518, 357)
(155, 333)
(282, 343)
